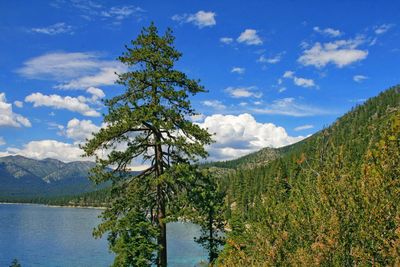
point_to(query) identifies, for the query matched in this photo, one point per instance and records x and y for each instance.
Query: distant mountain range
(22, 177)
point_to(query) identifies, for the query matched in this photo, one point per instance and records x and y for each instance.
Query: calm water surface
(44, 236)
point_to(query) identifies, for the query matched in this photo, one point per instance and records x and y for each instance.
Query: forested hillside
(330, 200)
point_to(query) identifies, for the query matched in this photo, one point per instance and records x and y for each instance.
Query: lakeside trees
(150, 121)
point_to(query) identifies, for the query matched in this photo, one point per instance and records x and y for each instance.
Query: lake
(39, 235)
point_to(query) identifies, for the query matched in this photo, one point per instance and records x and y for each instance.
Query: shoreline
(53, 206)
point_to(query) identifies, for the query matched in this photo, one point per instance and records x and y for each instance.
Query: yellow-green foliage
(333, 202)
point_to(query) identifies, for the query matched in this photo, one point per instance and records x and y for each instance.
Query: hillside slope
(331, 199)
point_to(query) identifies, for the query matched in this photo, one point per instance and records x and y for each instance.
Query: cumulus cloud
(201, 19)
(75, 104)
(303, 82)
(2, 142)
(240, 92)
(304, 127)
(8, 117)
(238, 70)
(54, 29)
(249, 37)
(290, 107)
(215, 104)
(236, 136)
(77, 70)
(226, 40)
(328, 31)
(340, 53)
(359, 78)
(80, 130)
(381, 29)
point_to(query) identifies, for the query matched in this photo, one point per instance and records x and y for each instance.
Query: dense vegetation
(330, 200)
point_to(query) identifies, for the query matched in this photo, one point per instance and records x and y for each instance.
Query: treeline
(97, 198)
(330, 200)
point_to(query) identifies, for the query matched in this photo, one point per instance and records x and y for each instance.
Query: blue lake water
(44, 236)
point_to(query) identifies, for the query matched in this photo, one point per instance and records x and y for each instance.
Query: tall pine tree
(150, 121)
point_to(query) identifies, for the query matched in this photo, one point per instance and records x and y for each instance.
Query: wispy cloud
(238, 70)
(359, 78)
(226, 40)
(215, 104)
(290, 107)
(304, 127)
(54, 29)
(77, 70)
(340, 53)
(381, 29)
(271, 60)
(201, 19)
(328, 31)
(93, 10)
(243, 92)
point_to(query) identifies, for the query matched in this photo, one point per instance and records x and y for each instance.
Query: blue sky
(276, 71)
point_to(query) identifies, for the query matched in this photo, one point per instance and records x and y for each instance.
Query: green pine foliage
(150, 121)
(330, 200)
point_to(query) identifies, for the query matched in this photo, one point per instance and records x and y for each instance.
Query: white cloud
(238, 70)
(239, 92)
(2, 142)
(216, 104)
(359, 78)
(96, 93)
(72, 70)
(271, 60)
(119, 13)
(341, 53)
(80, 130)
(236, 136)
(54, 29)
(282, 89)
(303, 82)
(19, 104)
(197, 117)
(249, 37)
(288, 74)
(92, 10)
(328, 31)
(8, 117)
(226, 40)
(76, 104)
(289, 107)
(201, 19)
(381, 29)
(48, 149)
(304, 127)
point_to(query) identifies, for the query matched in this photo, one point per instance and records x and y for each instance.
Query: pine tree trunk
(162, 238)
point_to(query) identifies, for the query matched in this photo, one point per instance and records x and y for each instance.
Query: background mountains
(22, 177)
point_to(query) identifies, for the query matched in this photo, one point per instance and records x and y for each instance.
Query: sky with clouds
(276, 71)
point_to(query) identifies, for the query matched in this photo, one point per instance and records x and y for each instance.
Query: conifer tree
(150, 121)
